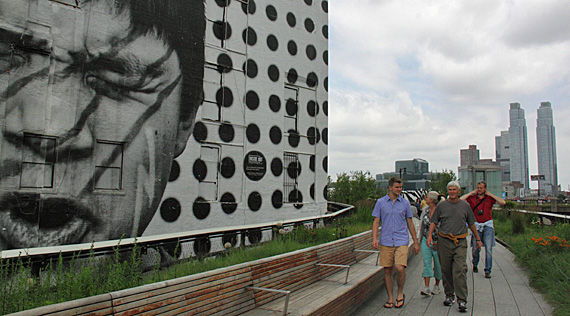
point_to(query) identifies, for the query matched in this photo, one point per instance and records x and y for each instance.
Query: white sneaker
(425, 291)
(435, 290)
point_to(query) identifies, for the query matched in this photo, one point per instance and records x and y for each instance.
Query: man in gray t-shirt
(453, 216)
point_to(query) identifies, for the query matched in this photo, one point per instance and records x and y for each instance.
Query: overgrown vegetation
(440, 180)
(543, 251)
(354, 187)
(64, 281)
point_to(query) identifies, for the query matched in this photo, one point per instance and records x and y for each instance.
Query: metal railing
(543, 214)
(284, 292)
(39, 256)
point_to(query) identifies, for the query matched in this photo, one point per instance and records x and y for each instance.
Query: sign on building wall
(122, 118)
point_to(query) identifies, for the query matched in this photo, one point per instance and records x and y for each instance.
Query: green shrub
(518, 223)
(500, 215)
(547, 265)
(510, 205)
(63, 279)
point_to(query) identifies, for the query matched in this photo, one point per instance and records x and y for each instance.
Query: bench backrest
(221, 291)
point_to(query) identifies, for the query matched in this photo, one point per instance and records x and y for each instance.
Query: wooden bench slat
(315, 289)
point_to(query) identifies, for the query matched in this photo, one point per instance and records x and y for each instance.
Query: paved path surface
(507, 293)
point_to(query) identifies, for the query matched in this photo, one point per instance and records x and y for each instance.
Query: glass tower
(518, 150)
(546, 149)
(502, 154)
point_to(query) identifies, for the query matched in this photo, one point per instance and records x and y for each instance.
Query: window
(291, 109)
(480, 176)
(207, 171)
(73, 3)
(212, 107)
(109, 165)
(38, 161)
(290, 180)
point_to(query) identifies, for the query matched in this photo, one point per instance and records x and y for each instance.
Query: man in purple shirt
(396, 215)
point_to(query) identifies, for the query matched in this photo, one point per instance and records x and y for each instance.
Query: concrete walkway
(507, 293)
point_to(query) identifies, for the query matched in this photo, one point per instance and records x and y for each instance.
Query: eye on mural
(96, 102)
(120, 118)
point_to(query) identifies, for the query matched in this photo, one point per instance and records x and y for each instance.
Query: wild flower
(554, 241)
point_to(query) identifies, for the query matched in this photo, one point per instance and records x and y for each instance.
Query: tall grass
(300, 238)
(64, 280)
(547, 264)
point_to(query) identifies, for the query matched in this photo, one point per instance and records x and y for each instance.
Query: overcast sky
(424, 79)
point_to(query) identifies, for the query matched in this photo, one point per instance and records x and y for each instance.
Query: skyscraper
(519, 147)
(469, 156)
(502, 154)
(546, 148)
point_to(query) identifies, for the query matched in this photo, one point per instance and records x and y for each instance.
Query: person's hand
(479, 244)
(434, 246)
(375, 243)
(416, 248)
(429, 241)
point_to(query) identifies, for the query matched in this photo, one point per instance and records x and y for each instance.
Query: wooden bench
(295, 274)
(315, 283)
(336, 292)
(339, 272)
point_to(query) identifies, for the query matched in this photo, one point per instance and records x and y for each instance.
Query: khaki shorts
(391, 255)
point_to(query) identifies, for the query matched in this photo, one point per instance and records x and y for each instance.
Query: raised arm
(499, 200)
(466, 195)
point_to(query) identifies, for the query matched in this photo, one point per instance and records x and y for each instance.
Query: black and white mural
(126, 118)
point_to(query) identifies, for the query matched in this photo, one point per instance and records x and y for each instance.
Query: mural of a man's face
(90, 121)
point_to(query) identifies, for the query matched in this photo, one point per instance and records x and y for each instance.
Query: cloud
(426, 78)
(533, 23)
(371, 131)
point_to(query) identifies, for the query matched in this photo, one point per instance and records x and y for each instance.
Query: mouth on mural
(29, 220)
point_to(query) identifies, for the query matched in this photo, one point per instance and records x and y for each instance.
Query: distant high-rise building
(414, 166)
(474, 169)
(502, 154)
(518, 149)
(414, 172)
(546, 149)
(469, 156)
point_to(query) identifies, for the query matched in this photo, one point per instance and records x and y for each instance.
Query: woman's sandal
(400, 301)
(388, 305)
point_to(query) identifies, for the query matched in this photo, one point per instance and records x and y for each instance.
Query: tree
(441, 179)
(353, 187)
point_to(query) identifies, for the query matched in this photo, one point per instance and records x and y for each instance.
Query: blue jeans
(428, 256)
(488, 238)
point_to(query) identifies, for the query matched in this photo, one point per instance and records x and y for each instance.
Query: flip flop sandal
(402, 301)
(388, 305)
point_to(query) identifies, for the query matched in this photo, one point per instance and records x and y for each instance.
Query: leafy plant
(440, 180)
(518, 223)
(542, 250)
(353, 187)
(63, 280)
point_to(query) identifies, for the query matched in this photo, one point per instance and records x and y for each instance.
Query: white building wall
(86, 151)
(271, 105)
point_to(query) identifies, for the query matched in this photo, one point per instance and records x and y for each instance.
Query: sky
(424, 79)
